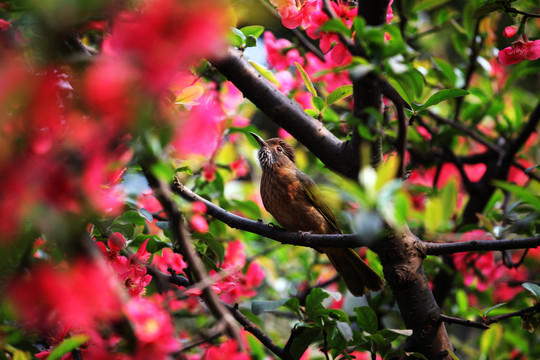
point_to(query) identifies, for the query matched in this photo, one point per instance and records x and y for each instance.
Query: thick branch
(286, 113)
(481, 245)
(401, 257)
(273, 232)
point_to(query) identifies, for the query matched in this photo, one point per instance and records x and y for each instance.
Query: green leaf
(446, 69)
(215, 246)
(260, 306)
(493, 308)
(314, 302)
(185, 169)
(146, 214)
(488, 8)
(521, 193)
(251, 41)
(336, 25)
(131, 217)
(318, 103)
(533, 288)
(293, 304)
(427, 5)
(265, 72)
(313, 113)
(307, 80)
(253, 30)
(338, 94)
(366, 319)
(449, 196)
(67, 346)
(301, 337)
(443, 95)
(432, 214)
(125, 229)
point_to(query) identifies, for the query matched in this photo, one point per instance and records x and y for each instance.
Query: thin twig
(471, 133)
(481, 245)
(182, 245)
(522, 312)
(464, 322)
(258, 333)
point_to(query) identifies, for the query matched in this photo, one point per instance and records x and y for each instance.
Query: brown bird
(296, 203)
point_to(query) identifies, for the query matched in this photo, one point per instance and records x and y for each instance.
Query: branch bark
(274, 232)
(286, 113)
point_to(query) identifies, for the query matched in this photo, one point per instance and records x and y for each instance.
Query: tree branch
(481, 245)
(274, 232)
(195, 266)
(522, 312)
(458, 321)
(469, 132)
(235, 312)
(287, 113)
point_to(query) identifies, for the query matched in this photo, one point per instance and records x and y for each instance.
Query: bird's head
(274, 152)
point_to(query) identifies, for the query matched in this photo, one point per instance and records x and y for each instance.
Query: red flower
(509, 31)
(240, 167)
(280, 52)
(226, 351)
(293, 14)
(165, 35)
(153, 328)
(198, 223)
(4, 25)
(519, 51)
(49, 297)
(479, 270)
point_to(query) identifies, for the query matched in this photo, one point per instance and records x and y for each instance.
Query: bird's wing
(315, 196)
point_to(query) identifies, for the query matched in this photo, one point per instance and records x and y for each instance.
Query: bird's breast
(284, 198)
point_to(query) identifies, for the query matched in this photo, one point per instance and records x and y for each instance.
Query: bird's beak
(259, 139)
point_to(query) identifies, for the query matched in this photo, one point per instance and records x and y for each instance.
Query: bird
(295, 201)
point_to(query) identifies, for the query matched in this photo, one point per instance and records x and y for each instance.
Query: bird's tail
(358, 276)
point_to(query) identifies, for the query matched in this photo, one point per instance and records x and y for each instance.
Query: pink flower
(226, 351)
(165, 35)
(199, 130)
(519, 51)
(169, 259)
(280, 53)
(509, 31)
(49, 296)
(4, 25)
(198, 207)
(153, 328)
(294, 14)
(240, 167)
(478, 270)
(209, 172)
(116, 242)
(236, 284)
(198, 223)
(475, 171)
(389, 13)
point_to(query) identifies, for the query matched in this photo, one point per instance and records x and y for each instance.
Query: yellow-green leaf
(265, 72)
(189, 95)
(307, 80)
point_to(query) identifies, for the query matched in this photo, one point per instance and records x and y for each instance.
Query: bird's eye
(279, 148)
